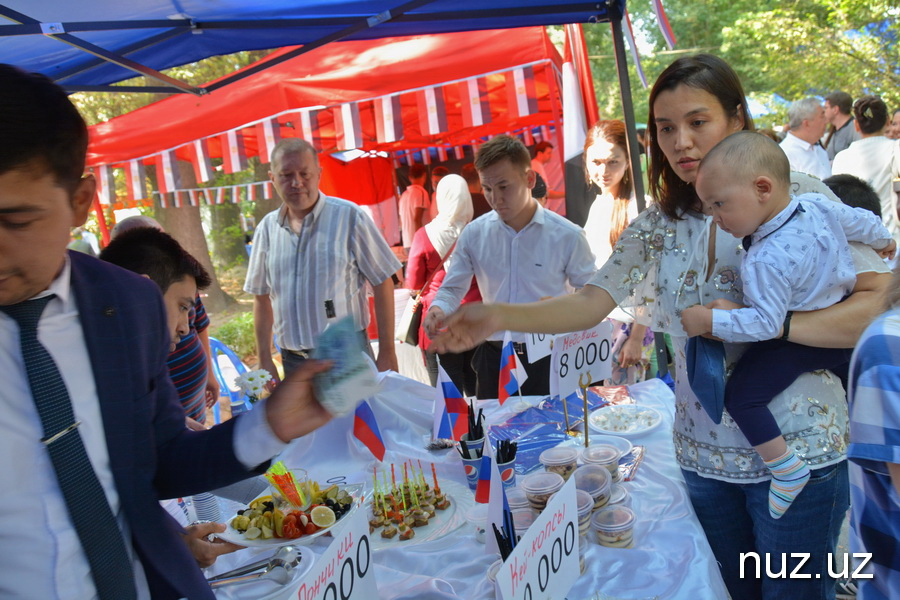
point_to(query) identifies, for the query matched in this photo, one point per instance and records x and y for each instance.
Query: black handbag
(407, 330)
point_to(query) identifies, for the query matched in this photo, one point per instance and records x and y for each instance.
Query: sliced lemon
(322, 516)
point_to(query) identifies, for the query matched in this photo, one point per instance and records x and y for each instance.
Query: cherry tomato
(310, 528)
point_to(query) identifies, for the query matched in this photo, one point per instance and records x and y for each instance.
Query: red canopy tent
(351, 78)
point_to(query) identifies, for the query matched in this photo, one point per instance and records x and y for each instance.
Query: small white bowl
(621, 444)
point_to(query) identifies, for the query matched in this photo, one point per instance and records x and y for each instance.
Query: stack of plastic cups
(614, 526)
(619, 495)
(206, 506)
(478, 517)
(522, 520)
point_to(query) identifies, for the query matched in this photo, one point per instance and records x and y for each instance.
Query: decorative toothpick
(584, 394)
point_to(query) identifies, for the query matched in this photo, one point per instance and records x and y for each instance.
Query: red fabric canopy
(344, 72)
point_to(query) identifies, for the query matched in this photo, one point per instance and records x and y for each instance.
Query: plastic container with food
(560, 460)
(614, 526)
(594, 480)
(540, 486)
(582, 549)
(517, 499)
(522, 520)
(492, 576)
(478, 517)
(604, 455)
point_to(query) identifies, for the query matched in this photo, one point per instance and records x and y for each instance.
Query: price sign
(538, 345)
(578, 353)
(544, 564)
(344, 571)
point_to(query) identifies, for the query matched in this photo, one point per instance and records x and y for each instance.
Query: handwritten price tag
(578, 353)
(538, 345)
(344, 571)
(544, 563)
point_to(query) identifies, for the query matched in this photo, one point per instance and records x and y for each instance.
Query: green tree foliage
(790, 49)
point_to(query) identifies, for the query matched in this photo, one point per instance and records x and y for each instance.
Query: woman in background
(606, 166)
(432, 243)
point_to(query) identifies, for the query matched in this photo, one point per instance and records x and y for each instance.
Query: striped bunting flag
(388, 119)
(309, 126)
(521, 93)
(348, 127)
(200, 160)
(664, 26)
(234, 154)
(168, 177)
(476, 109)
(268, 133)
(136, 180)
(106, 184)
(432, 110)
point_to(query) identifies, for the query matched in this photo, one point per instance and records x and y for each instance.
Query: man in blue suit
(105, 330)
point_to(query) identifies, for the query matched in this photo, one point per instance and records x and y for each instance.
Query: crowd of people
(745, 259)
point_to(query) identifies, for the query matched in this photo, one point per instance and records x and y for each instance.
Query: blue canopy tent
(86, 46)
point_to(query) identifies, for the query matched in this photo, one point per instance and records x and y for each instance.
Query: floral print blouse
(660, 266)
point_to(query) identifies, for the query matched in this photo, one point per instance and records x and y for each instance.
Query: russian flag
(629, 36)
(664, 26)
(483, 487)
(498, 504)
(365, 429)
(450, 409)
(511, 376)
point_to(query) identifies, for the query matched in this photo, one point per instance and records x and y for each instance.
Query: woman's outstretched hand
(467, 327)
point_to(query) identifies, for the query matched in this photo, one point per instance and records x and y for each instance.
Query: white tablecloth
(670, 559)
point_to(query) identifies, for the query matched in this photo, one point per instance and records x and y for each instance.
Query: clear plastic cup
(582, 549)
(492, 576)
(478, 517)
(522, 520)
(594, 480)
(585, 508)
(604, 455)
(560, 460)
(517, 499)
(614, 526)
(619, 495)
(539, 487)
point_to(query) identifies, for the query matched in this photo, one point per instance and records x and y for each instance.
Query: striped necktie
(88, 507)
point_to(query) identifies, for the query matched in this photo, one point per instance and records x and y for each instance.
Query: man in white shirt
(312, 261)
(519, 252)
(807, 126)
(87, 400)
(414, 204)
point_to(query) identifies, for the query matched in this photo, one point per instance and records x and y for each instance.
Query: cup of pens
(506, 462)
(471, 445)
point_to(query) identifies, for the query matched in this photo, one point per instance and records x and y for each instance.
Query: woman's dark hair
(703, 72)
(871, 114)
(47, 131)
(613, 131)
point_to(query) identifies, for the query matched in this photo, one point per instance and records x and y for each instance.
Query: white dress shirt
(338, 250)
(798, 261)
(875, 160)
(42, 555)
(548, 254)
(805, 157)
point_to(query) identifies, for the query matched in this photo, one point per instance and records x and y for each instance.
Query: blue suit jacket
(151, 453)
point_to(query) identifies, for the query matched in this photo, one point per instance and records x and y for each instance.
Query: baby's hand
(697, 320)
(888, 251)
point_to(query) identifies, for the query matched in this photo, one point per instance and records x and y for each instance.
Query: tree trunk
(184, 225)
(226, 236)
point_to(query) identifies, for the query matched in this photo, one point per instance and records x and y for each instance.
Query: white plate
(624, 419)
(619, 443)
(234, 536)
(265, 590)
(443, 524)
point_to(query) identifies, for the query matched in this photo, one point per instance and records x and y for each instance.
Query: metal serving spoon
(285, 554)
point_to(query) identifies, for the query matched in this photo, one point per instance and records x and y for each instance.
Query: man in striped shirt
(310, 264)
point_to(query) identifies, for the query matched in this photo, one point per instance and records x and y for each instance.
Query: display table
(670, 559)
